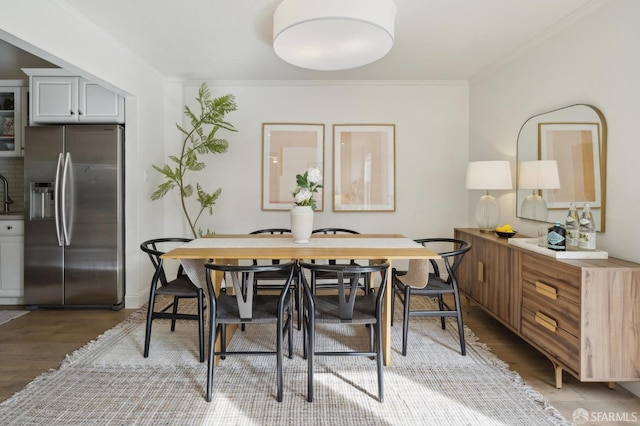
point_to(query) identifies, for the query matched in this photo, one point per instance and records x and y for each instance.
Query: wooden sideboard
(584, 315)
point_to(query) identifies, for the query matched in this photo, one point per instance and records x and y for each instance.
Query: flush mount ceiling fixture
(330, 35)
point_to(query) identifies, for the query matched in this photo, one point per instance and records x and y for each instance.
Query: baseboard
(134, 301)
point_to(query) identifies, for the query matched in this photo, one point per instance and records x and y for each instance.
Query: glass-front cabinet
(10, 121)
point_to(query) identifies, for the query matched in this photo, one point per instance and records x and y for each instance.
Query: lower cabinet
(11, 270)
(487, 276)
(584, 315)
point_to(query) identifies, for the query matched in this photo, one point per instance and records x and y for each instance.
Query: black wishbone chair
(246, 307)
(419, 281)
(346, 305)
(178, 288)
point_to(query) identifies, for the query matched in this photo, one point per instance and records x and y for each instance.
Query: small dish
(506, 234)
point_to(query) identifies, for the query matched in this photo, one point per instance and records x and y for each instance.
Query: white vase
(301, 223)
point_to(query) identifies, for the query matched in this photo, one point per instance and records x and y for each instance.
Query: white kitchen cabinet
(11, 262)
(59, 98)
(11, 124)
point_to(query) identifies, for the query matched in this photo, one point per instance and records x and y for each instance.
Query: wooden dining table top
(320, 246)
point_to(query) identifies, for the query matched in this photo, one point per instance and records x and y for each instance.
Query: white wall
(71, 42)
(596, 61)
(431, 150)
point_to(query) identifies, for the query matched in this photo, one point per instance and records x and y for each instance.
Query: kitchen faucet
(7, 198)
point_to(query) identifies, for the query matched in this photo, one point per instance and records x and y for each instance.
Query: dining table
(234, 248)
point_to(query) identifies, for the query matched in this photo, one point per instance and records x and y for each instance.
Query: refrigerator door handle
(63, 199)
(56, 202)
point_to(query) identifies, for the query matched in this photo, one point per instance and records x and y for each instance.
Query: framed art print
(289, 149)
(364, 167)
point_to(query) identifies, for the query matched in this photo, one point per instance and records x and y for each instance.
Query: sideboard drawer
(541, 330)
(541, 297)
(562, 278)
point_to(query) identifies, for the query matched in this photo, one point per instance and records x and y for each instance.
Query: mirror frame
(529, 148)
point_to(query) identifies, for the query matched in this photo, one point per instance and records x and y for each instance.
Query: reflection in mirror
(537, 175)
(575, 137)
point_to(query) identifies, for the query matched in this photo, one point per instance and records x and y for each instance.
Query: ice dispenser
(42, 200)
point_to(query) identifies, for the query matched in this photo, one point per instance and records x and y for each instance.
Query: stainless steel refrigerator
(74, 213)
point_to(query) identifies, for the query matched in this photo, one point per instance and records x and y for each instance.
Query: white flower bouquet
(307, 185)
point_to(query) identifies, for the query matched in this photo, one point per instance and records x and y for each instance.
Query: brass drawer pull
(546, 290)
(546, 322)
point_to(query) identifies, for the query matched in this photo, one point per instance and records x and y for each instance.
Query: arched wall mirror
(574, 139)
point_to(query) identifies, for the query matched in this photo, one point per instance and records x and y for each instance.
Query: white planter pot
(301, 223)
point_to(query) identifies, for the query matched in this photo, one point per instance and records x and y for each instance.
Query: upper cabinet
(11, 123)
(57, 97)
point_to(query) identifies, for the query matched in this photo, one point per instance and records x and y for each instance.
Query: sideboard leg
(558, 374)
(611, 385)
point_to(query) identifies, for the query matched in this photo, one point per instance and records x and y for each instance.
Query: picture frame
(289, 149)
(364, 168)
(576, 149)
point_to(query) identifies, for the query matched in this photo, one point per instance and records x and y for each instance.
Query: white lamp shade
(541, 174)
(333, 34)
(487, 175)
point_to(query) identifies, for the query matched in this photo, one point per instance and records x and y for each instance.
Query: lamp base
(487, 213)
(534, 207)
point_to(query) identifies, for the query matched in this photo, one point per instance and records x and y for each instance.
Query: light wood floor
(39, 341)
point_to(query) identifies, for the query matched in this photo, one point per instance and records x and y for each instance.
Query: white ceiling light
(331, 35)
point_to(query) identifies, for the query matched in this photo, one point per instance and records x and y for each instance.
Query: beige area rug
(6, 316)
(108, 382)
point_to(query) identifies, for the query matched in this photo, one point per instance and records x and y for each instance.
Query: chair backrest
(348, 277)
(272, 231)
(450, 258)
(335, 231)
(159, 246)
(242, 278)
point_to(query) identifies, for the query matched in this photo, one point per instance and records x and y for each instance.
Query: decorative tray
(532, 244)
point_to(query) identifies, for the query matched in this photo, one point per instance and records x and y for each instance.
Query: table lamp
(537, 175)
(488, 175)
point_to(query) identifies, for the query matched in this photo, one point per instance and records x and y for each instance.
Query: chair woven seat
(265, 310)
(180, 287)
(435, 286)
(327, 310)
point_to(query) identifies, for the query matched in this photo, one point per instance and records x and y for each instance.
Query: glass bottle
(556, 239)
(572, 226)
(587, 238)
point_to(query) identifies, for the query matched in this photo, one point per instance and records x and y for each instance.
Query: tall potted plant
(199, 138)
